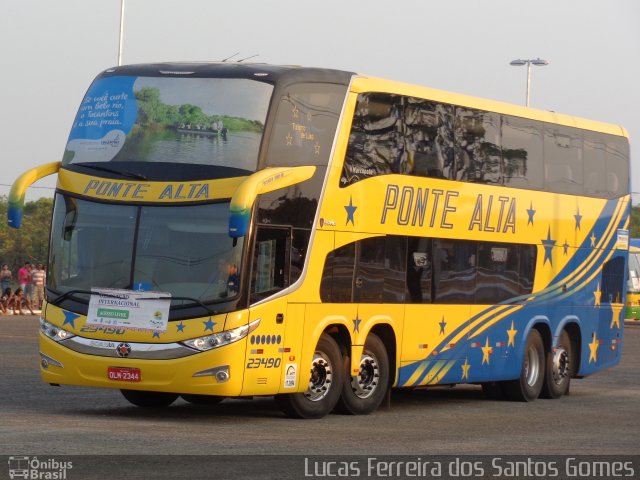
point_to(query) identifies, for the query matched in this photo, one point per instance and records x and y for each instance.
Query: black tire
(528, 387)
(202, 399)
(559, 369)
(146, 399)
(363, 394)
(323, 392)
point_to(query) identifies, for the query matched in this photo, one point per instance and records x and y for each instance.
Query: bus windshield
(185, 251)
(210, 121)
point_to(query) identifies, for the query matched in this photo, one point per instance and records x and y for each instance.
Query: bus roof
(359, 83)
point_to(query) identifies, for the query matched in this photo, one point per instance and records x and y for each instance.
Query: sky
(52, 50)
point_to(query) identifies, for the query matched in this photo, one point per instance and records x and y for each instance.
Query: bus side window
(419, 270)
(271, 260)
(613, 280)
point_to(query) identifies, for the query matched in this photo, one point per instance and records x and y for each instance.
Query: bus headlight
(221, 339)
(53, 332)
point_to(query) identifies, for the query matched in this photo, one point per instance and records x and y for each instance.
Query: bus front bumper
(215, 372)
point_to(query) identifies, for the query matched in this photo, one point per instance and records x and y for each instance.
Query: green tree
(635, 221)
(31, 241)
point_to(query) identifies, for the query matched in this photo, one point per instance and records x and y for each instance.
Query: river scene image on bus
(166, 122)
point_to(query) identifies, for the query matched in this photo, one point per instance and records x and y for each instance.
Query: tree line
(30, 243)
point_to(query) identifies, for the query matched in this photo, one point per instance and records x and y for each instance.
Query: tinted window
(376, 141)
(613, 280)
(305, 124)
(337, 276)
(594, 150)
(617, 161)
(498, 275)
(419, 270)
(454, 271)
(522, 153)
(395, 269)
(477, 146)
(429, 138)
(370, 270)
(563, 159)
(270, 262)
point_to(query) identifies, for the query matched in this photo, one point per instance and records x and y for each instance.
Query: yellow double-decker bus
(224, 230)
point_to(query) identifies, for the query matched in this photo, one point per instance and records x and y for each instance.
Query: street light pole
(538, 62)
(121, 32)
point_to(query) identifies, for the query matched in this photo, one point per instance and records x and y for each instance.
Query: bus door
(265, 345)
(435, 314)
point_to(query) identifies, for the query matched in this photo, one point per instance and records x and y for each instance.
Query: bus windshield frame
(183, 250)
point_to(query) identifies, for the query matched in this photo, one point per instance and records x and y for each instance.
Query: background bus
(237, 230)
(632, 311)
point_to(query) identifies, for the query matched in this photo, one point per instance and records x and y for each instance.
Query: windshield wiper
(67, 294)
(195, 300)
(125, 173)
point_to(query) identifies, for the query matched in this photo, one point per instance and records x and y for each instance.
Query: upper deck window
(206, 121)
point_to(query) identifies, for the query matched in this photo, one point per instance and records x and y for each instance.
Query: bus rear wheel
(528, 387)
(363, 393)
(146, 399)
(323, 392)
(559, 369)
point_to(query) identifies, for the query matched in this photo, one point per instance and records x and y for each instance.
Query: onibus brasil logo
(36, 469)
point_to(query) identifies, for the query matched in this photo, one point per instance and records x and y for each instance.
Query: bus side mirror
(264, 181)
(19, 187)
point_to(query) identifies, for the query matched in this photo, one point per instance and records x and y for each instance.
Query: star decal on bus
(487, 350)
(156, 335)
(442, 324)
(616, 310)
(356, 325)
(180, 327)
(593, 239)
(548, 248)
(351, 210)
(70, 319)
(565, 247)
(598, 296)
(208, 325)
(512, 336)
(531, 212)
(465, 369)
(593, 348)
(578, 218)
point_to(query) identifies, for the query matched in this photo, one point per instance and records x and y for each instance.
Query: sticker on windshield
(133, 310)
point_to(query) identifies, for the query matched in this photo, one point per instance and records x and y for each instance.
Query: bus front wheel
(363, 393)
(528, 387)
(559, 369)
(149, 399)
(325, 380)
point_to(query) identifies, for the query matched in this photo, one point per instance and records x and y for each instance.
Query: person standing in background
(5, 277)
(38, 277)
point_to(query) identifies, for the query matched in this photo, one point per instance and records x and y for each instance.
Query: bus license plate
(123, 374)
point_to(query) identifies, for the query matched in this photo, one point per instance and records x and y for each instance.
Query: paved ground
(599, 417)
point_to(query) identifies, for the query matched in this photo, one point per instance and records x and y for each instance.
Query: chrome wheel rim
(532, 366)
(561, 365)
(321, 377)
(366, 382)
